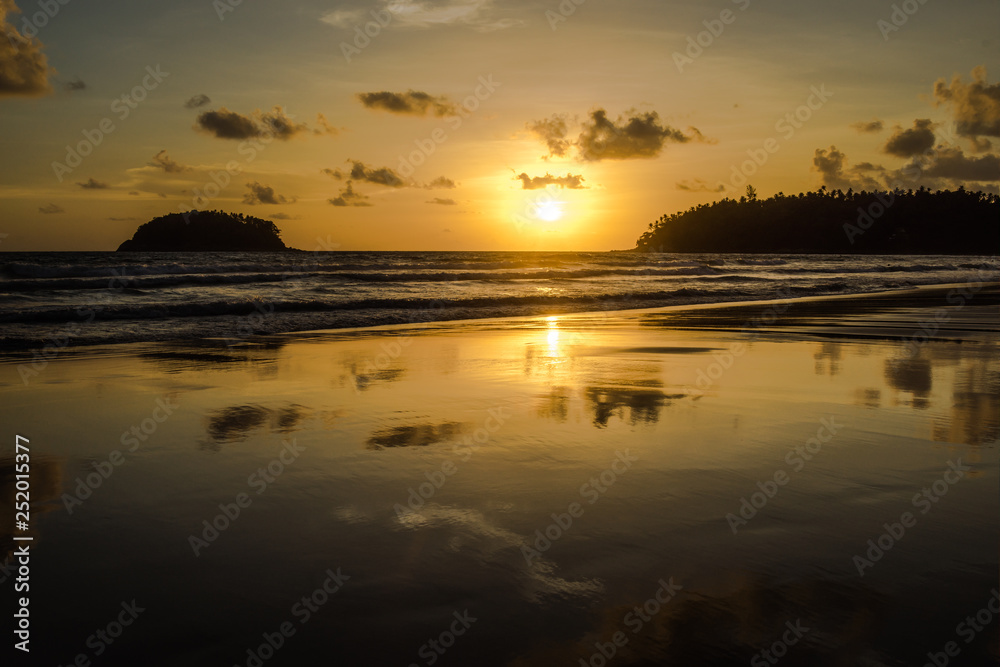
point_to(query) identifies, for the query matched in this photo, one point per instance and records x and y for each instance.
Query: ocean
(89, 298)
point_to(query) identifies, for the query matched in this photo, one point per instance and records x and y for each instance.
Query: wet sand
(676, 486)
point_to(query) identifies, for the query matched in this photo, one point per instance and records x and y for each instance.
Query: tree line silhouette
(948, 222)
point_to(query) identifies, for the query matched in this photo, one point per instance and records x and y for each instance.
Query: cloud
(24, 69)
(975, 105)
(698, 185)
(324, 126)
(361, 172)
(226, 124)
(348, 197)
(412, 102)
(832, 167)
(634, 135)
(125, 219)
(284, 216)
(553, 132)
(952, 164)
(91, 184)
(199, 100)
(868, 126)
(476, 14)
(264, 194)
(441, 183)
(50, 209)
(75, 84)
(442, 201)
(913, 141)
(569, 181)
(637, 136)
(167, 163)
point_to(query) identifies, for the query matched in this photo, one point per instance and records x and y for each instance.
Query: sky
(477, 124)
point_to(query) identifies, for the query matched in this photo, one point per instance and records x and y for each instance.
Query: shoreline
(728, 316)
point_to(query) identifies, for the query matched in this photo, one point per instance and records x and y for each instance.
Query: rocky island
(198, 231)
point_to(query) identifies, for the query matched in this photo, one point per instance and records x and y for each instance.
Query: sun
(549, 211)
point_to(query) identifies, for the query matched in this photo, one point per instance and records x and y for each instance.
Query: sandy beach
(812, 480)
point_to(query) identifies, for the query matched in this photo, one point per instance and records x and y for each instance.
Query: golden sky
(477, 125)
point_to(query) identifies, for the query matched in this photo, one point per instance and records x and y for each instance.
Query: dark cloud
(125, 219)
(698, 185)
(379, 176)
(441, 183)
(975, 105)
(569, 181)
(199, 100)
(913, 141)
(639, 135)
(51, 209)
(348, 197)
(553, 132)
(284, 216)
(226, 124)
(91, 184)
(167, 163)
(24, 69)
(952, 164)
(836, 175)
(361, 172)
(412, 102)
(442, 201)
(868, 126)
(75, 84)
(264, 194)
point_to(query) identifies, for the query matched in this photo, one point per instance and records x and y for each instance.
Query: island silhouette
(921, 222)
(195, 231)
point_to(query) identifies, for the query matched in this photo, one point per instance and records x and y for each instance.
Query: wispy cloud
(196, 101)
(264, 194)
(91, 184)
(412, 102)
(348, 197)
(569, 181)
(167, 163)
(868, 126)
(699, 185)
(480, 15)
(226, 124)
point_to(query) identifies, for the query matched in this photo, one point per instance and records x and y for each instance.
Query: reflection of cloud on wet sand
(643, 404)
(237, 422)
(910, 375)
(469, 533)
(415, 435)
(234, 423)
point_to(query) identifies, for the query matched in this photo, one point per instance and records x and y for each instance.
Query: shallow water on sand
(419, 471)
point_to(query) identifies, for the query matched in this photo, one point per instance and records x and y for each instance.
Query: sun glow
(549, 211)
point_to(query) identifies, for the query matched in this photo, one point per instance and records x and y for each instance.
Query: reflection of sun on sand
(46, 482)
